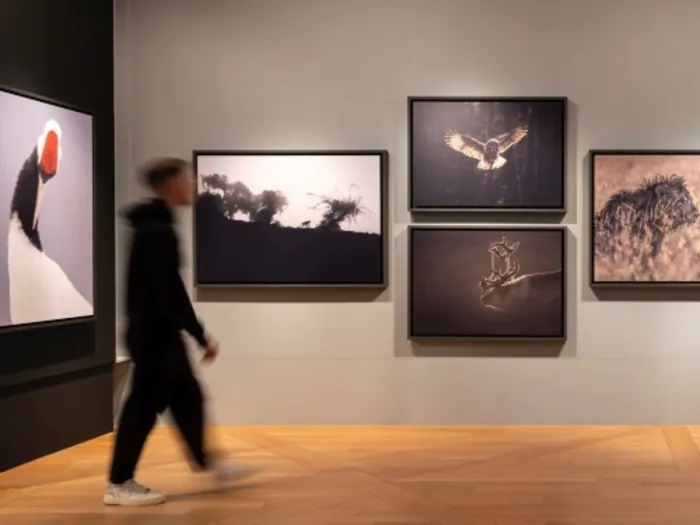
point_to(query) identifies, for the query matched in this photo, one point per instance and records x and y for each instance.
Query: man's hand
(210, 352)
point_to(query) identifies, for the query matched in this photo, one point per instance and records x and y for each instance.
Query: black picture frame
(24, 327)
(554, 203)
(497, 232)
(380, 270)
(635, 184)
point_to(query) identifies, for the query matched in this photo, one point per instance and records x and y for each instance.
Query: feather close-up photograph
(487, 155)
(46, 266)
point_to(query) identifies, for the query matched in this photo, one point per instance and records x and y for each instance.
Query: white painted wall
(336, 74)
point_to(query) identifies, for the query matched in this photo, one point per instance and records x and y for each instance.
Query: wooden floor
(386, 476)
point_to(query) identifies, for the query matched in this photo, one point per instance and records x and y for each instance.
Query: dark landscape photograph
(645, 217)
(487, 283)
(290, 218)
(491, 154)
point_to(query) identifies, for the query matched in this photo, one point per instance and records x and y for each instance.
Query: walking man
(158, 310)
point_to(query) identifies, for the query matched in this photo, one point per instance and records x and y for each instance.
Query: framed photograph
(291, 218)
(487, 283)
(644, 218)
(46, 211)
(487, 154)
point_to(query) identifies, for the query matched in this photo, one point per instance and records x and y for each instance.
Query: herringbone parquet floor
(387, 476)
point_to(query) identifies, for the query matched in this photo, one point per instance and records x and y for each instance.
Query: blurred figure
(158, 309)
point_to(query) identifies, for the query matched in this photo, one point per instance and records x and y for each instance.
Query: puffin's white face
(49, 157)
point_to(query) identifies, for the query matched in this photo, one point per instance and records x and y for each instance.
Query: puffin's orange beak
(49, 155)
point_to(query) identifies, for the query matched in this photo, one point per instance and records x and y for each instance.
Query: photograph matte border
(93, 193)
(562, 336)
(561, 209)
(383, 221)
(592, 154)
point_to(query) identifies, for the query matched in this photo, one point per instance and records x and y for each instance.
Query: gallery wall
(311, 74)
(56, 379)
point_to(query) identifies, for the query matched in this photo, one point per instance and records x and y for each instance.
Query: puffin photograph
(47, 230)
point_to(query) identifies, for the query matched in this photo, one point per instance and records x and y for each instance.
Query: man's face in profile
(183, 187)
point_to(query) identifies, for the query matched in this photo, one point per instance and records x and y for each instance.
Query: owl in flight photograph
(488, 154)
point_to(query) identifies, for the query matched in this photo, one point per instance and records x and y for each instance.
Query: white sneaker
(225, 473)
(131, 494)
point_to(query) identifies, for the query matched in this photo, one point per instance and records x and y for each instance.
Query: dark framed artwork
(487, 283)
(644, 218)
(291, 218)
(487, 154)
(46, 211)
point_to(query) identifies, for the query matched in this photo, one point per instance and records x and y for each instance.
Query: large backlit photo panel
(46, 212)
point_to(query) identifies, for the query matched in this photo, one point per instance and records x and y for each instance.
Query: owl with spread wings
(490, 153)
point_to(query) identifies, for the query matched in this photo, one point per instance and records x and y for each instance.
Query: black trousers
(162, 378)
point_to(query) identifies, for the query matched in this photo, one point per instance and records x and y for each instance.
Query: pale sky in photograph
(298, 175)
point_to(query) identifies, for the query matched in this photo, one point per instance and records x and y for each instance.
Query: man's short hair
(158, 171)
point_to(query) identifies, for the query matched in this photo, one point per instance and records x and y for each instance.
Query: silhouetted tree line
(231, 198)
(235, 197)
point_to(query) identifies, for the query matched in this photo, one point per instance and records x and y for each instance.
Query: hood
(149, 213)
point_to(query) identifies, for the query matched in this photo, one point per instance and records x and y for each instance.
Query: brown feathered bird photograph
(488, 154)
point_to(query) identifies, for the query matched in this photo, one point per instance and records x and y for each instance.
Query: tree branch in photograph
(232, 198)
(339, 210)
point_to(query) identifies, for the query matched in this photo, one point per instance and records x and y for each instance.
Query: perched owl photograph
(487, 154)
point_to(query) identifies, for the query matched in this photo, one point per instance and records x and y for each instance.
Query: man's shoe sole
(111, 500)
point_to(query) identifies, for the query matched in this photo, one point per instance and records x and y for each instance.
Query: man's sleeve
(162, 261)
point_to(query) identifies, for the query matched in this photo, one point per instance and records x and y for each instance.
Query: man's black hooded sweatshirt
(158, 307)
